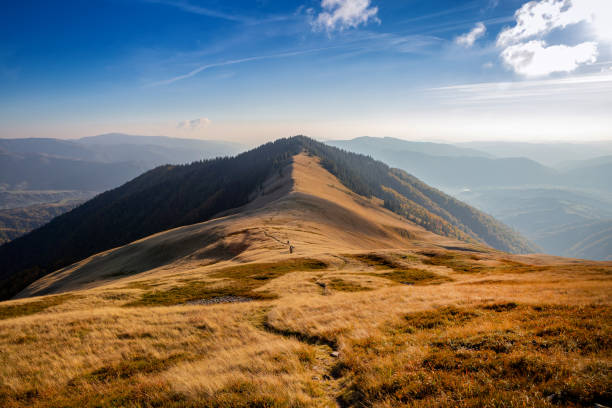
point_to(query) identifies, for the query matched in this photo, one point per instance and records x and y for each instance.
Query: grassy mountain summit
(310, 295)
(172, 196)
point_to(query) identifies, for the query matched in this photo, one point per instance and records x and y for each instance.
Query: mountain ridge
(172, 196)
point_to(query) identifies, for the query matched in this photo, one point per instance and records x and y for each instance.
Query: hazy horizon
(328, 139)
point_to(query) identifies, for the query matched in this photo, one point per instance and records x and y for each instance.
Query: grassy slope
(504, 335)
(424, 321)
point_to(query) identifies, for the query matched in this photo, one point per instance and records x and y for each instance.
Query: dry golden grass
(538, 338)
(413, 324)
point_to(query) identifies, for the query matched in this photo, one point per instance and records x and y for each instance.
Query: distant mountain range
(546, 204)
(175, 195)
(549, 154)
(449, 166)
(95, 163)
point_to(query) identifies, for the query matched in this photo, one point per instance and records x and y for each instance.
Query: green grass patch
(413, 277)
(267, 271)
(397, 272)
(198, 291)
(242, 281)
(465, 263)
(33, 307)
(375, 261)
(128, 368)
(457, 262)
(345, 286)
(144, 285)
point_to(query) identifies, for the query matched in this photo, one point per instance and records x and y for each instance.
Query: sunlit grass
(494, 355)
(537, 339)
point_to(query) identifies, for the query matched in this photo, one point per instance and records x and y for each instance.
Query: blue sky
(257, 70)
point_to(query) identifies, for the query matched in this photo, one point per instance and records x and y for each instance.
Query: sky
(252, 71)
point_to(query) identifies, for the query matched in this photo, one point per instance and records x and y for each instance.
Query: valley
(562, 206)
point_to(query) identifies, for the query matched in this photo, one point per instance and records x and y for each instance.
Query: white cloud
(601, 18)
(343, 14)
(524, 46)
(468, 39)
(537, 18)
(534, 58)
(194, 124)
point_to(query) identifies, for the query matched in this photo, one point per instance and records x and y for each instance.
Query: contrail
(233, 62)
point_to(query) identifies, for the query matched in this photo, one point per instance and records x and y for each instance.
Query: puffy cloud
(537, 18)
(524, 46)
(194, 124)
(468, 39)
(534, 58)
(343, 14)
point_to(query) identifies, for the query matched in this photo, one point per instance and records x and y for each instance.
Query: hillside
(301, 202)
(368, 309)
(544, 204)
(561, 221)
(595, 176)
(590, 240)
(172, 196)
